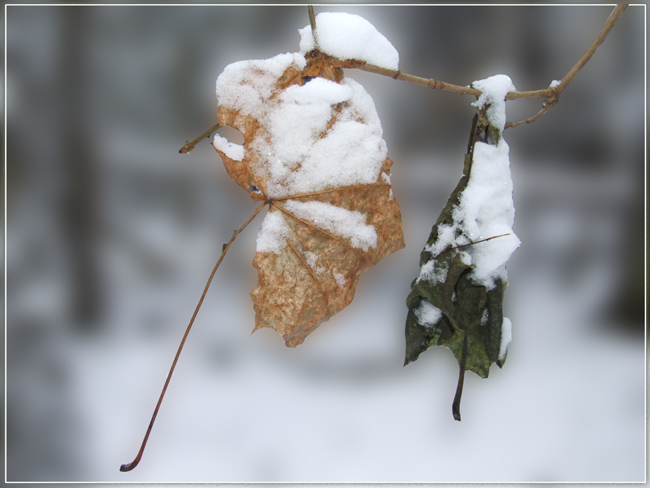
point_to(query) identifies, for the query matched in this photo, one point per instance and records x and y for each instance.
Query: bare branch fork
(550, 95)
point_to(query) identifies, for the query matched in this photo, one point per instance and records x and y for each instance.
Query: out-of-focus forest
(111, 235)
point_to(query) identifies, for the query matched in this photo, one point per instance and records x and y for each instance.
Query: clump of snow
(273, 233)
(232, 150)
(494, 90)
(311, 259)
(347, 224)
(432, 273)
(485, 207)
(506, 337)
(247, 85)
(340, 280)
(555, 83)
(348, 36)
(306, 154)
(427, 314)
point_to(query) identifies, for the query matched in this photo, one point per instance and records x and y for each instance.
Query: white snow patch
(230, 149)
(311, 260)
(306, 154)
(429, 272)
(427, 314)
(486, 209)
(555, 83)
(506, 337)
(348, 36)
(273, 233)
(298, 148)
(348, 224)
(446, 237)
(494, 90)
(340, 280)
(247, 85)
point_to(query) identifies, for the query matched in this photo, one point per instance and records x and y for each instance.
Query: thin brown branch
(312, 22)
(428, 82)
(189, 146)
(532, 119)
(136, 461)
(555, 92)
(550, 95)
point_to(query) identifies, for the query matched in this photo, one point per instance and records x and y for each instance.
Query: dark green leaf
(468, 316)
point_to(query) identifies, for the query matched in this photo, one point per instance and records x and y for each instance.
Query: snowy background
(112, 234)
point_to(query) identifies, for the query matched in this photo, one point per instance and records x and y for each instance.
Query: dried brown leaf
(313, 272)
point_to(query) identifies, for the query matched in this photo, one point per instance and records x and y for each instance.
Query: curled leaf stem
(455, 406)
(136, 461)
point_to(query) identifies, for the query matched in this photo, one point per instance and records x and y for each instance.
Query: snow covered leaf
(457, 299)
(313, 150)
(349, 36)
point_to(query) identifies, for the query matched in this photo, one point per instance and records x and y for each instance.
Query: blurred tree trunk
(80, 203)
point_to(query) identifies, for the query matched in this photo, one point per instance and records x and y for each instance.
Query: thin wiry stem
(136, 461)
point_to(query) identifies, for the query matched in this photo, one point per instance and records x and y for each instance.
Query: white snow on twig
(494, 90)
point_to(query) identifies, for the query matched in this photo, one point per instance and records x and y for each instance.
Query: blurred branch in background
(79, 201)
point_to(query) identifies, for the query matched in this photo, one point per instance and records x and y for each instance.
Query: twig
(428, 82)
(462, 246)
(136, 461)
(550, 95)
(312, 22)
(189, 146)
(529, 120)
(549, 92)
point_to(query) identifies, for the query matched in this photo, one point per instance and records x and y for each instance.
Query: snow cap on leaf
(348, 36)
(494, 90)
